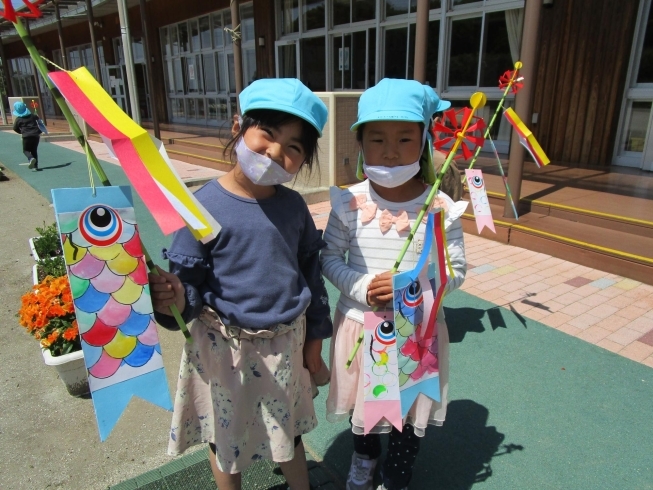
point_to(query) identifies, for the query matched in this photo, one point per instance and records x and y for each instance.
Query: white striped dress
(355, 253)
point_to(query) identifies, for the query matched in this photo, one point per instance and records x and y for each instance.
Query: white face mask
(261, 170)
(391, 176)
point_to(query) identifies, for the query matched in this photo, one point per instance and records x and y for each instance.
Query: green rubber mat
(193, 472)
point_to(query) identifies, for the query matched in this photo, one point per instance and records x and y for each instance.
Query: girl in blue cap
(26, 124)
(256, 294)
(367, 227)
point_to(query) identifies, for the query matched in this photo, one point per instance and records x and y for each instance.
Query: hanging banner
(400, 356)
(480, 201)
(108, 279)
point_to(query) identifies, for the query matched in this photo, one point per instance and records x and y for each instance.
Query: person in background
(26, 124)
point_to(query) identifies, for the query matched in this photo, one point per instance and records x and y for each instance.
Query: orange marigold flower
(52, 338)
(70, 333)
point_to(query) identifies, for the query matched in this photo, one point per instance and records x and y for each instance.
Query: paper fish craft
(108, 279)
(480, 202)
(142, 157)
(527, 138)
(401, 351)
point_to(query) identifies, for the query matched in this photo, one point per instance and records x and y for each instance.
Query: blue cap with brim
(399, 100)
(285, 95)
(406, 101)
(20, 109)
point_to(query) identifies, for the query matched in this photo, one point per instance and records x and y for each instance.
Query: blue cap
(399, 100)
(20, 109)
(285, 95)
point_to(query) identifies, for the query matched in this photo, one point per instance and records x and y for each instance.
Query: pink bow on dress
(400, 221)
(368, 209)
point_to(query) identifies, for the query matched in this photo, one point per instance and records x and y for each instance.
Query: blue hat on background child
(402, 101)
(20, 109)
(285, 95)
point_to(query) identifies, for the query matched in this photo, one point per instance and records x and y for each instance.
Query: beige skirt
(346, 394)
(246, 391)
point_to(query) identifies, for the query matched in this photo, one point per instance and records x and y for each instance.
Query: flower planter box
(32, 249)
(71, 370)
(35, 274)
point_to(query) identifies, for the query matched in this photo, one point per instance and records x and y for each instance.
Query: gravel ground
(49, 439)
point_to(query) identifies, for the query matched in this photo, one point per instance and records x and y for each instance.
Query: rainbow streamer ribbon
(108, 280)
(527, 138)
(142, 157)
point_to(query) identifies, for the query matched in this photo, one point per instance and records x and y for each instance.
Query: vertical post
(238, 63)
(4, 83)
(2, 100)
(37, 85)
(523, 101)
(64, 58)
(149, 70)
(91, 28)
(123, 14)
(5, 71)
(421, 41)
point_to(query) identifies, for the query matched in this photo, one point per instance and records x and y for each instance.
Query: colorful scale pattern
(110, 290)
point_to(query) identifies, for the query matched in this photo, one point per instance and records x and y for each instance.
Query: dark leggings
(397, 469)
(298, 440)
(30, 144)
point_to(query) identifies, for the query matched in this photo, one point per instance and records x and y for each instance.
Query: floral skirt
(346, 393)
(246, 391)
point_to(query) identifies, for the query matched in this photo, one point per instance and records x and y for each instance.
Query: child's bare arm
(313, 355)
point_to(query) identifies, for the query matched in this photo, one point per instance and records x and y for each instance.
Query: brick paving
(604, 309)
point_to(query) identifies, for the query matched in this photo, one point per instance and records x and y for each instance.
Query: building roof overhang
(70, 11)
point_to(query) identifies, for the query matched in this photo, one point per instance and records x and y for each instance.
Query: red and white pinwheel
(511, 79)
(450, 129)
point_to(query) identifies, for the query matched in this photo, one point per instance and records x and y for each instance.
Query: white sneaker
(32, 163)
(382, 487)
(361, 473)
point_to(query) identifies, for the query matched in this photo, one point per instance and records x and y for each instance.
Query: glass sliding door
(313, 63)
(396, 52)
(634, 147)
(287, 59)
(354, 60)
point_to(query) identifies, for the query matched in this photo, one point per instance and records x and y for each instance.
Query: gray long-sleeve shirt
(262, 269)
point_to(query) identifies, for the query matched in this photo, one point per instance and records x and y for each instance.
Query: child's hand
(166, 290)
(313, 355)
(379, 292)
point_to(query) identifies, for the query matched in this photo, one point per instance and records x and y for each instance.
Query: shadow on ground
(464, 320)
(454, 456)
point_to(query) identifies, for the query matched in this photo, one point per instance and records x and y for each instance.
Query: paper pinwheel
(449, 130)
(510, 80)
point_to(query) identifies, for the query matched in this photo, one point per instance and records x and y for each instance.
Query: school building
(591, 96)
